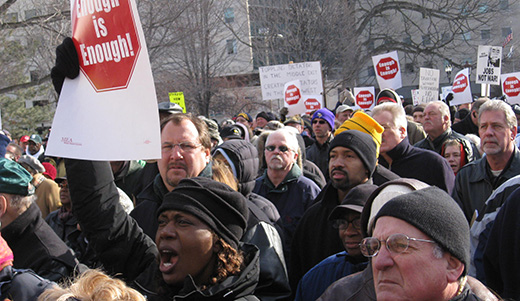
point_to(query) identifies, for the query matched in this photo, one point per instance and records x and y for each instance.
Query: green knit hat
(14, 179)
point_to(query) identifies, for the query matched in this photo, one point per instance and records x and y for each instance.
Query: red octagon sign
(107, 42)
(460, 83)
(511, 86)
(387, 68)
(365, 99)
(292, 95)
(312, 104)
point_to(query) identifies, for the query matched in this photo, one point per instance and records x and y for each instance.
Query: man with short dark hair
(469, 124)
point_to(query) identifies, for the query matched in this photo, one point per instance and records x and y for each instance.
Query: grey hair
(397, 111)
(443, 107)
(290, 138)
(438, 252)
(21, 201)
(499, 105)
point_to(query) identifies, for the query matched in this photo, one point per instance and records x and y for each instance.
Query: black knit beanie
(223, 209)
(436, 214)
(362, 144)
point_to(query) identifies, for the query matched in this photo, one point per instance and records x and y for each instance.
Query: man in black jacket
(469, 125)
(35, 245)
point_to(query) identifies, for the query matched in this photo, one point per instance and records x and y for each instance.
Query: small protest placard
(461, 88)
(365, 98)
(388, 72)
(428, 85)
(511, 87)
(489, 65)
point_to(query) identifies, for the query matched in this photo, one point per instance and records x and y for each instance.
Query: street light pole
(448, 69)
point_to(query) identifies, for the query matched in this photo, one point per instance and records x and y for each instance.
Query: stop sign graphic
(107, 42)
(511, 86)
(292, 95)
(460, 83)
(312, 104)
(365, 99)
(387, 68)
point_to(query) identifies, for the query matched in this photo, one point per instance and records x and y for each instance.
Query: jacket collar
(484, 170)
(400, 150)
(25, 222)
(293, 175)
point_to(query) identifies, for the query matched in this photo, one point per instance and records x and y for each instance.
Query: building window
(11, 18)
(445, 37)
(506, 31)
(370, 71)
(229, 15)
(485, 34)
(231, 46)
(31, 13)
(466, 36)
(504, 4)
(426, 40)
(409, 67)
(407, 40)
(370, 45)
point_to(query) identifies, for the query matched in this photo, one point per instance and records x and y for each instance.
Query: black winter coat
(123, 247)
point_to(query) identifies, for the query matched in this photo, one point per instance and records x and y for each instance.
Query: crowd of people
(400, 202)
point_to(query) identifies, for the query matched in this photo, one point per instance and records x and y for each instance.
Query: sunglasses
(281, 148)
(395, 243)
(318, 121)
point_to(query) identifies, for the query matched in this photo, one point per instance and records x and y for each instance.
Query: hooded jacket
(125, 249)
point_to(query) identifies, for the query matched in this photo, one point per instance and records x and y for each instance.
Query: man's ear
(402, 132)
(207, 152)
(3, 205)
(454, 269)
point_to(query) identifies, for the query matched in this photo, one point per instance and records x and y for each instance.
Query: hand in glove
(67, 64)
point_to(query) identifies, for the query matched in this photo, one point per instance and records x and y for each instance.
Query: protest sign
(428, 85)
(109, 112)
(273, 79)
(178, 98)
(461, 88)
(312, 103)
(511, 87)
(489, 65)
(388, 72)
(293, 98)
(365, 98)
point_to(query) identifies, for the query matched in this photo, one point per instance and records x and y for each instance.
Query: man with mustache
(437, 125)
(283, 182)
(477, 180)
(352, 161)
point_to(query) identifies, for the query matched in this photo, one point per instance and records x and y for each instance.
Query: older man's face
(415, 274)
(496, 136)
(433, 119)
(277, 153)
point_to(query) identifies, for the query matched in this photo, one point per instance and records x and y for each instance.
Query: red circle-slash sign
(387, 68)
(365, 99)
(460, 83)
(107, 42)
(511, 86)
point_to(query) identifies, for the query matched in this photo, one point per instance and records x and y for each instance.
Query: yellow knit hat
(364, 123)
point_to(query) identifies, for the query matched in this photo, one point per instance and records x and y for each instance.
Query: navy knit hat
(14, 179)
(265, 116)
(362, 144)
(223, 209)
(436, 214)
(326, 115)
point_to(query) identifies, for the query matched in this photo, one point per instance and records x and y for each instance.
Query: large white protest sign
(428, 85)
(489, 65)
(461, 89)
(273, 79)
(511, 87)
(365, 98)
(109, 112)
(388, 72)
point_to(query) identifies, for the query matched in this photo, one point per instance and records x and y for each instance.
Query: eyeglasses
(281, 148)
(343, 224)
(63, 184)
(321, 121)
(395, 243)
(185, 147)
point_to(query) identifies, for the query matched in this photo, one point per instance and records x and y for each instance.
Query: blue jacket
(332, 268)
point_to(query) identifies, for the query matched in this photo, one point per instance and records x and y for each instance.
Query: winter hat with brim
(362, 144)
(32, 162)
(354, 201)
(223, 209)
(14, 179)
(436, 214)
